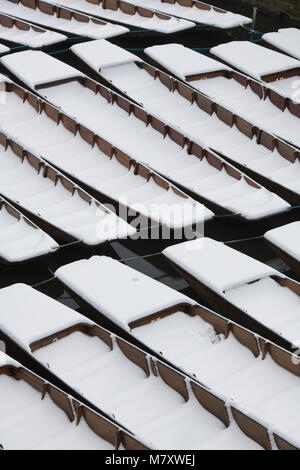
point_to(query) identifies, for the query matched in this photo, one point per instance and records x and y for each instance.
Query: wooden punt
(142, 392)
(112, 18)
(60, 19)
(33, 420)
(212, 350)
(16, 34)
(52, 201)
(196, 169)
(199, 12)
(248, 291)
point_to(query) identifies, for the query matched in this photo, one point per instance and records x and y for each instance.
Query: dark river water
(145, 255)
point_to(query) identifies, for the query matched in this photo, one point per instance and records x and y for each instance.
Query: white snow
(286, 39)
(21, 241)
(178, 337)
(93, 167)
(145, 405)
(29, 423)
(286, 238)
(116, 290)
(30, 37)
(38, 67)
(163, 155)
(110, 380)
(230, 269)
(230, 93)
(258, 61)
(226, 366)
(168, 25)
(20, 182)
(207, 15)
(183, 61)
(111, 54)
(189, 342)
(253, 59)
(28, 315)
(3, 48)
(210, 131)
(73, 26)
(275, 306)
(243, 281)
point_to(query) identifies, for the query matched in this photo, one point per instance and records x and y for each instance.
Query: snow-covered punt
(196, 11)
(207, 121)
(286, 40)
(118, 11)
(197, 170)
(248, 291)
(278, 70)
(141, 392)
(36, 415)
(20, 239)
(219, 353)
(60, 19)
(51, 200)
(247, 98)
(14, 31)
(286, 242)
(105, 171)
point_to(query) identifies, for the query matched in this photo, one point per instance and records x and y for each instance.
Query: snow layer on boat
(149, 146)
(230, 269)
(30, 37)
(167, 26)
(257, 385)
(177, 111)
(143, 404)
(230, 93)
(110, 54)
(269, 303)
(258, 61)
(189, 342)
(179, 60)
(19, 240)
(286, 39)
(136, 295)
(287, 238)
(80, 28)
(253, 59)
(92, 167)
(20, 182)
(38, 67)
(208, 16)
(3, 48)
(186, 62)
(28, 315)
(29, 423)
(243, 281)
